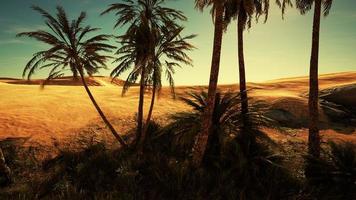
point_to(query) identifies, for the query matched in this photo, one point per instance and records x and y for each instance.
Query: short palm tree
(244, 11)
(226, 122)
(145, 19)
(70, 46)
(186, 125)
(304, 6)
(202, 138)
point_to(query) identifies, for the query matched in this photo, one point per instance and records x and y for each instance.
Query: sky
(278, 48)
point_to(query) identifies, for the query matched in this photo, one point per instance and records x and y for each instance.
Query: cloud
(15, 29)
(3, 20)
(11, 41)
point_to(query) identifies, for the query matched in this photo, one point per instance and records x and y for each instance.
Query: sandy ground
(63, 109)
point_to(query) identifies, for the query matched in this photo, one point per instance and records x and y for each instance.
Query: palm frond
(66, 47)
(152, 41)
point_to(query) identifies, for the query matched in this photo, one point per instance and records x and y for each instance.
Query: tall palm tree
(145, 20)
(304, 6)
(244, 11)
(70, 46)
(201, 141)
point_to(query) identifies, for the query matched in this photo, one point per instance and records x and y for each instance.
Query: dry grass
(61, 111)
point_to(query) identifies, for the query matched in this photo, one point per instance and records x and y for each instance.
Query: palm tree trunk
(201, 140)
(151, 106)
(5, 171)
(149, 115)
(140, 107)
(314, 138)
(242, 77)
(106, 121)
(246, 135)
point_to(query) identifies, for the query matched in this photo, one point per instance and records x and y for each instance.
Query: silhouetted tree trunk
(242, 77)
(74, 71)
(246, 137)
(106, 121)
(140, 107)
(149, 115)
(5, 171)
(201, 140)
(152, 104)
(314, 138)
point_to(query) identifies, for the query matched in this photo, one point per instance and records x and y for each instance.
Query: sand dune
(67, 81)
(62, 109)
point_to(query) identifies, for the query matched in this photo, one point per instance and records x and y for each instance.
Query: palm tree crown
(306, 5)
(150, 12)
(69, 46)
(147, 22)
(169, 53)
(246, 9)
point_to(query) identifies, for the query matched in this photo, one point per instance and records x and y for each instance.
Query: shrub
(334, 175)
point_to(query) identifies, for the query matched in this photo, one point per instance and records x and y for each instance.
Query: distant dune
(63, 109)
(67, 81)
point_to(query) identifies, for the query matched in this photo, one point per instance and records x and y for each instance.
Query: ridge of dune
(66, 81)
(325, 76)
(324, 79)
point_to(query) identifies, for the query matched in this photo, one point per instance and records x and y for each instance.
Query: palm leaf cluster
(247, 10)
(186, 125)
(169, 53)
(69, 46)
(152, 33)
(155, 15)
(227, 120)
(306, 5)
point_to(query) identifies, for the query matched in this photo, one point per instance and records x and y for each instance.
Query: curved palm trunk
(151, 106)
(140, 107)
(201, 140)
(106, 121)
(242, 77)
(314, 138)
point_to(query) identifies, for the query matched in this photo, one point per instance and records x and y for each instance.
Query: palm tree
(70, 46)
(170, 53)
(145, 20)
(244, 11)
(304, 6)
(202, 138)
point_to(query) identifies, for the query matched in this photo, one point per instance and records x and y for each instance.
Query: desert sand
(62, 109)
